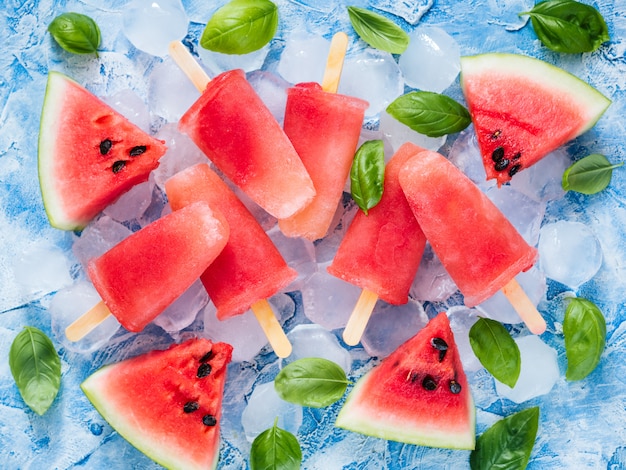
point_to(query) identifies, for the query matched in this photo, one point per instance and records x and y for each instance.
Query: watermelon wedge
(89, 154)
(418, 394)
(167, 403)
(524, 108)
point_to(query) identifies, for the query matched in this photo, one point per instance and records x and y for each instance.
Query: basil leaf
(275, 449)
(496, 350)
(508, 443)
(312, 381)
(241, 27)
(589, 175)
(568, 26)
(584, 329)
(429, 113)
(36, 368)
(76, 33)
(367, 174)
(378, 31)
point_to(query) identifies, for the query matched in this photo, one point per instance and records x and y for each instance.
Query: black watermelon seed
(496, 134)
(138, 150)
(191, 406)
(455, 387)
(203, 370)
(441, 346)
(206, 357)
(514, 169)
(517, 156)
(118, 166)
(497, 154)
(501, 165)
(105, 146)
(429, 383)
(209, 420)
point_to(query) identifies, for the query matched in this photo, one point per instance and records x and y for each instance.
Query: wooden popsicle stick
(524, 307)
(359, 317)
(87, 322)
(334, 62)
(189, 65)
(272, 329)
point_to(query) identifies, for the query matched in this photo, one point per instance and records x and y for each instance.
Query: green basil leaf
(508, 443)
(584, 329)
(429, 113)
(36, 368)
(367, 174)
(589, 175)
(241, 27)
(76, 33)
(275, 449)
(378, 31)
(568, 26)
(312, 381)
(496, 350)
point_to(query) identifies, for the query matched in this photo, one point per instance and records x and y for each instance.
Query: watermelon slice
(523, 108)
(89, 154)
(167, 403)
(418, 394)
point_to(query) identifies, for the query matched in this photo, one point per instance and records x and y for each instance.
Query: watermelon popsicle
(478, 246)
(143, 274)
(249, 269)
(382, 250)
(324, 128)
(238, 133)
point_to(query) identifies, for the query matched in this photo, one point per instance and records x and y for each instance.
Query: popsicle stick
(272, 329)
(334, 62)
(87, 322)
(359, 317)
(524, 307)
(188, 65)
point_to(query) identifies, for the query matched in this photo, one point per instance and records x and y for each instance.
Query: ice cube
(217, 62)
(432, 61)
(98, 237)
(498, 307)
(397, 134)
(461, 321)
(131, 106)
(311, 340)
(170, 92)
(299, 253)
(391, 325)
(411, 10)
(432, 282)
(272, 90)
(539, 371)
(373, 76)
(304, 57)
(329, 301)
(132, 204)
(243, 332)
(569, 252)
(183, 311)
(542, 181)
(150, 25)
(68, 305)
(465, 155)
(264, 406)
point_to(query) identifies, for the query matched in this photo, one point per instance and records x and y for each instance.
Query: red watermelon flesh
(167, 403)
(89, 154)
(419, 394)
(524, 108)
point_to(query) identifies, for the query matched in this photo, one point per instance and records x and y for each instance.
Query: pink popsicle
(381, 251)
(234, 128)
(142, 275)
(478, 246)
(324, 128)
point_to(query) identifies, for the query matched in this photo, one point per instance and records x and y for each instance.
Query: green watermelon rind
(356, 417)
(48, 128)
(160, 454)
(547, 75)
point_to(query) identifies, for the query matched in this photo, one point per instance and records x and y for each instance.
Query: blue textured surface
(582, 424)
